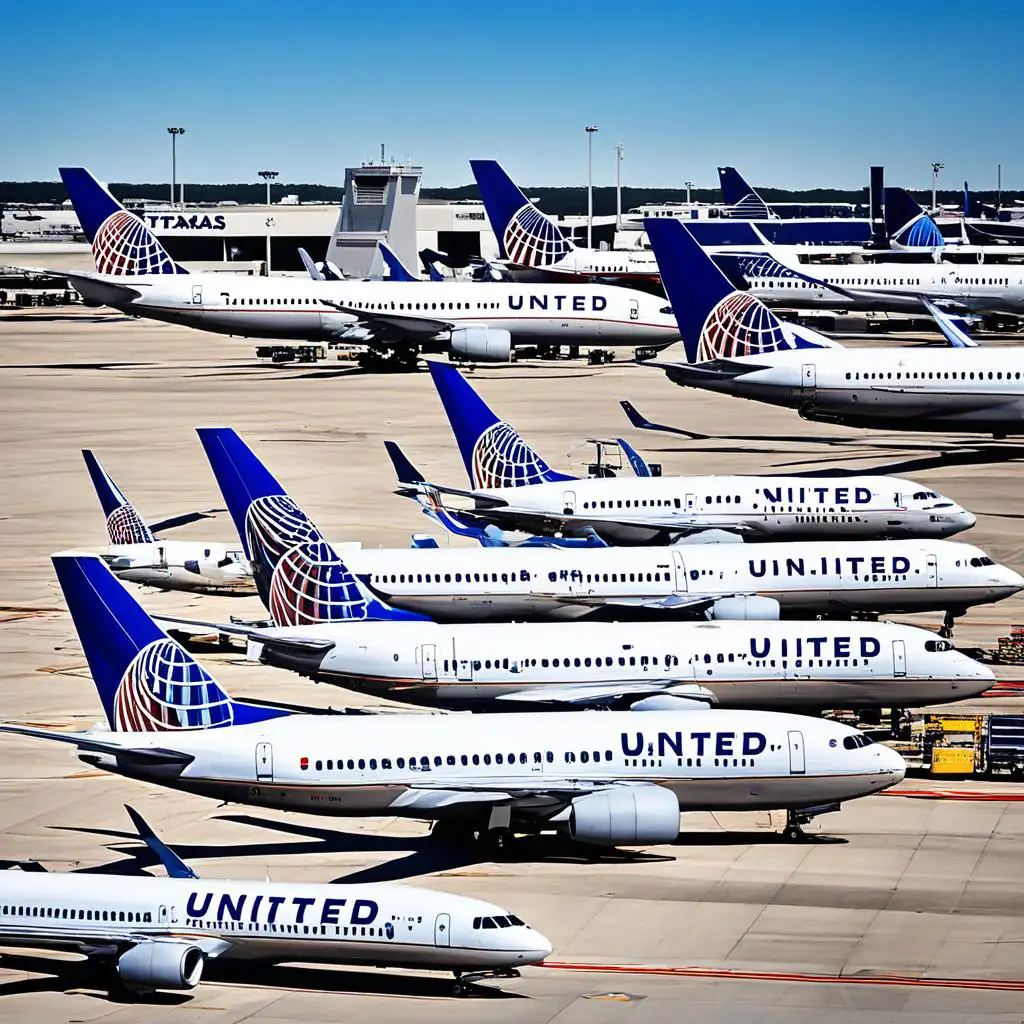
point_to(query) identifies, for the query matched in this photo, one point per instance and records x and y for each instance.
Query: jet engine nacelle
(746, 606)
(625, 816)
(713, 536)
(482, 344)
(161, 964)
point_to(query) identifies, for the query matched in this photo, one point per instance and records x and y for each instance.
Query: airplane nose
(540, 948)
(1009, 578)
(892, 761)
(966, 519)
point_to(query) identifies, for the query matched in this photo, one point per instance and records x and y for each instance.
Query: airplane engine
(161, 964)
(747, 606)
(625, 816)
(482, 344)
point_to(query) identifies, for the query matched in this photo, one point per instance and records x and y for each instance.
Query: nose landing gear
(464, 982)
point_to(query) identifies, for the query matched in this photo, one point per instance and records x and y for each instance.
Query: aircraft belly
(905, 410)
(477, 607)
(753, 794)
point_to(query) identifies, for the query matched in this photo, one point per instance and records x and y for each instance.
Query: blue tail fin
(301, 579)
(525, 235)
(173, 864)
(636, 460)
(124, 524)
(954, 328)
(742, 199)
(396, 270)
(492, 450)
(406, 472)
(907, 224)
(715, 320)
(146, 681)
(121, 242)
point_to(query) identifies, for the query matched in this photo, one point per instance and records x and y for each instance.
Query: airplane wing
(600, 694)
(667, 603)
(88, 741)
(405, 324)
(95, 287)
(311, 268)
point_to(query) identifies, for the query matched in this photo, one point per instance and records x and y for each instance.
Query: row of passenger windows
(448, 577)
(643, 660)
(936, 375)
(421, 306)
(356, 931)
(637, 503)
(424, 763)
(80, 914)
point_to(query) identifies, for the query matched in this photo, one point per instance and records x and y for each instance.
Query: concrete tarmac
(897, 907)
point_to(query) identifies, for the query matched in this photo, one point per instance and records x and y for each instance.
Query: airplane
(735, 345)
(816, 221)
(731, 581)
(883, 287)
(138, 556)
(159, 933)
(329, 625)
(395, 320)
(607, 780)
(399, 272)
(514, 488)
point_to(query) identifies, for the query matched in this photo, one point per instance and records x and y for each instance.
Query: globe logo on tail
(501, 458)
(299, 574)
(531, 240)
(123, 245)
(125, 526)
(739, 325)
(164, 690)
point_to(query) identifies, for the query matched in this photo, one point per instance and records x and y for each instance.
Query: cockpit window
(488, 922)
(937, 645)
(857, 741)
(516, 921)
(924, 495)
(979, 562)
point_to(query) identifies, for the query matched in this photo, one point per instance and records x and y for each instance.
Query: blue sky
(811, 94)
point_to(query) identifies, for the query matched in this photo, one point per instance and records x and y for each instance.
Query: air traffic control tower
(379, 205)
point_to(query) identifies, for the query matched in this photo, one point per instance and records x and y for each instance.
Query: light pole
(268, 177)
(689, 185)
(174, 133)
(591, 129)
(618, 186)
(936, 167)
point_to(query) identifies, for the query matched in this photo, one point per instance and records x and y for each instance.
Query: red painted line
(982, 984)
(953, 794)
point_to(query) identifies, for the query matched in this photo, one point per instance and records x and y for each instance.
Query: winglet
(173, 864)
(406, 472)
(311, 267)
(954, 328)
(642, 423)
(636, 460)
(397, 269)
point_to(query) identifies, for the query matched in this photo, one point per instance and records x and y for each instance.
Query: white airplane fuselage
(374, 924)
(899, 288)
(297, 308)
(743, 664)
(454, 767)
(642, 510)
(808, 578)
(956, 390)
(199, 566)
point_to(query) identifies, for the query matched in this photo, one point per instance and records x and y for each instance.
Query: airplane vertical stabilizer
(301, 579)
(907, 224)
(493, 452)
(742, 199)
(124, 524)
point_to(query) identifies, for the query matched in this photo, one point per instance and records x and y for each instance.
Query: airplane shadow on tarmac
(82, 977)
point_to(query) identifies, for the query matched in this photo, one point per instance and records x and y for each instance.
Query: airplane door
(569, 503)
(797, 762)
(429, 662)
(463, 669)
(442, 930)
(933, 571)
(197, 295)
(899, 658)
(691, 501)
(264, 762)
(162, 915)
(680, 570)
(634, 309)
(809, 375)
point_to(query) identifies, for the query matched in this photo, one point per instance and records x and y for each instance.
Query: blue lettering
(699, 738)
(255, 907)
(302, 902)
(674, 743)
(842, 646)
(773, 497)
(861, 495)
(816, 642)
(579, 303)
(538, 302)
(332, 908)
(877, 563)
(219, 222)
(755, 652)
(756, 570)
(869, 647)
(193, 910)
(559, 299)
(855, 561)
(599, 303)
(515, 301)
(364, 912)
(275, 905)
(753, 743)
(842, 495)
(633, 751)
(229, 908)
(900, 565)
(723, 744)
(794, 567)
(820, 492)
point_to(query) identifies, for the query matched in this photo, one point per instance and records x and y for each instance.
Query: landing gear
(464, 982)
(500, 841)
(796, 819)
(948, 622)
